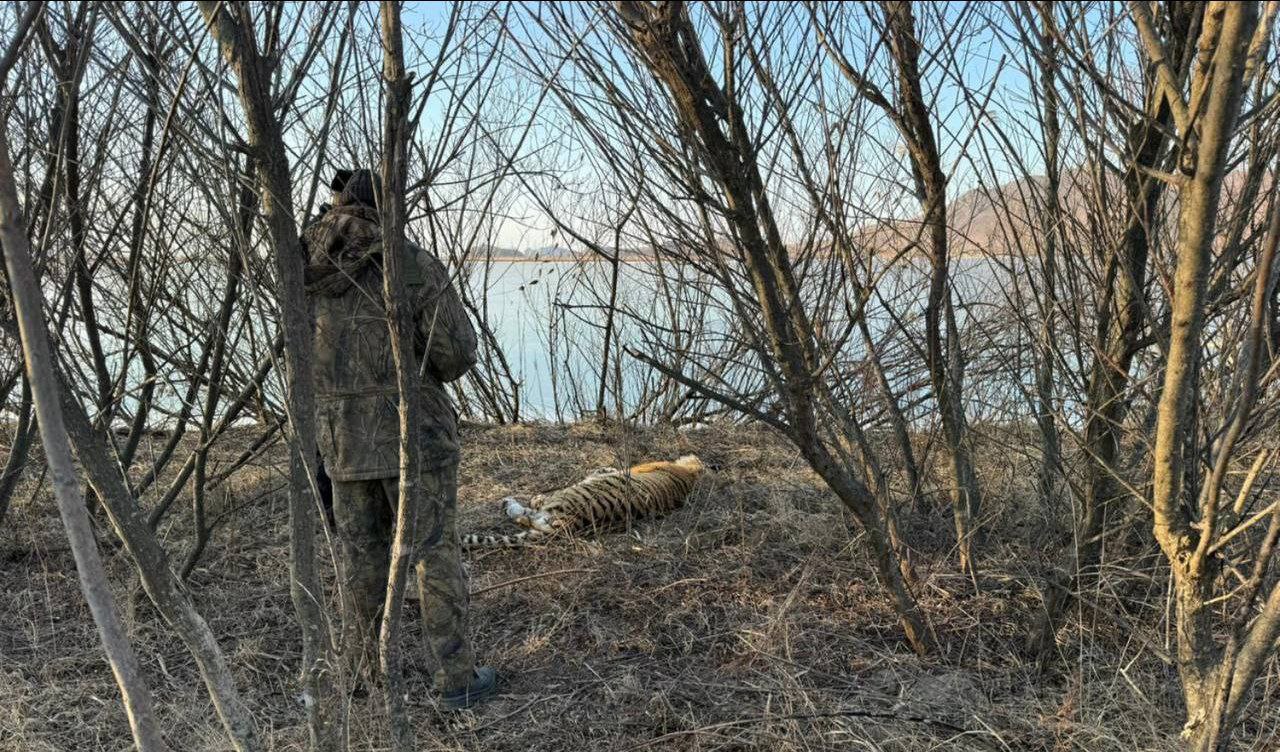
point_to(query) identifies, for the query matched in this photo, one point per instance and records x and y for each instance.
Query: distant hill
(979, 221)
(556, 253)
(1007, 220)
(551, 252)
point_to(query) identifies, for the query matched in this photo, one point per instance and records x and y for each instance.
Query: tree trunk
(1050, 449)
(1224, 39)
(23, 435)
(232, 26)
(940, 335)
(400, 320)
(888, 562)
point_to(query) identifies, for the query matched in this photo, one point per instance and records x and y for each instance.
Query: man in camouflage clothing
(358, 429)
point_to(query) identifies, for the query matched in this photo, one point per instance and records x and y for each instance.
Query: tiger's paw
(541, 521)
(514, 508)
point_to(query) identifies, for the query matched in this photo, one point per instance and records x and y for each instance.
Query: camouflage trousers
(364, 513)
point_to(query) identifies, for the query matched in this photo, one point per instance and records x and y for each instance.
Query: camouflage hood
(340, 245)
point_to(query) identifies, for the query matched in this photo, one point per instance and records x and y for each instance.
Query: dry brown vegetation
(1073, 351)
(750, 619)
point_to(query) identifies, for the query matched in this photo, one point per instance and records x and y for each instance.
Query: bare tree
(1121, 327)
(234, 29)
(401, 321)
(1213, 680)
(777, 212)
(912, 118)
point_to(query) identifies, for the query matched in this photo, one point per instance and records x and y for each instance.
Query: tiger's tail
(523, 538)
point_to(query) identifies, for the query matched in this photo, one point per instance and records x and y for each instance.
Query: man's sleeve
(446, 339)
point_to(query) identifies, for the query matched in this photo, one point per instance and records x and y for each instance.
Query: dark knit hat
(358, 187)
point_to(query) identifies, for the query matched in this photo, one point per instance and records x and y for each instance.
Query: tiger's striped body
(601, 499)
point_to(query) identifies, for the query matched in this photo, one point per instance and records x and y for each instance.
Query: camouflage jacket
(357, 399)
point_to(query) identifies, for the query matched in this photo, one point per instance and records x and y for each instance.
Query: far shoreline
(955, 255)
(592, 259)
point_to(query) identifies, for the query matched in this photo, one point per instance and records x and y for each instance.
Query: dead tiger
(604, 497)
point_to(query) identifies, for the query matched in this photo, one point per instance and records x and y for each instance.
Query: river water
(549, 318)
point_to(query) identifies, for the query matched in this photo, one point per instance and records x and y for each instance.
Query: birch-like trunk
(400, 320)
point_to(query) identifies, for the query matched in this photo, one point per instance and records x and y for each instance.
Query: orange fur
(646, 489)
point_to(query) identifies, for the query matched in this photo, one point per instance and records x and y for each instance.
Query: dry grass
(747, 620)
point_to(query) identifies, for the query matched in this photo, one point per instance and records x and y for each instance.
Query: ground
(748, 620)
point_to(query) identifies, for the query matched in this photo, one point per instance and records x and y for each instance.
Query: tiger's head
(691, 463)
(689, 466)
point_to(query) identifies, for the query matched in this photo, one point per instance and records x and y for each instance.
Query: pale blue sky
(980, 59)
